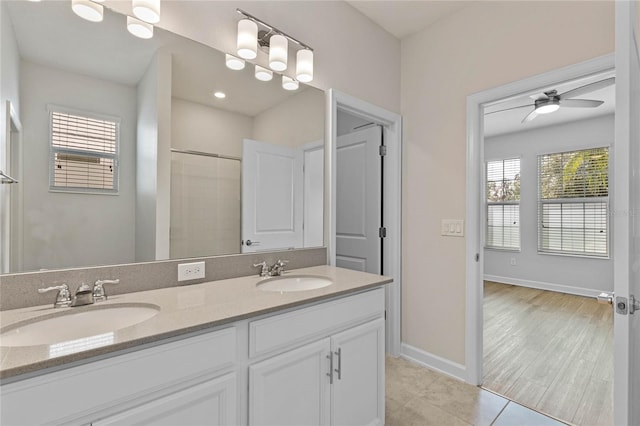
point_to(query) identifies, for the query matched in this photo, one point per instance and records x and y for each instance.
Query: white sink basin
(76, 323)
(294, 283)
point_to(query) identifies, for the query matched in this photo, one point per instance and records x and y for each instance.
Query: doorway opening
(527, 284)
(348, 113)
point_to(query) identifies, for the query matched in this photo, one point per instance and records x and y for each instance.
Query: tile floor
(420, 397)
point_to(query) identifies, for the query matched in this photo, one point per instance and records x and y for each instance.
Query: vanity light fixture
(147, 10)
(139, 28)
(247, 46)
(233, 62)
(263, 74)
(289, 83)
(252, 32)
(278, 52)
(87, 9)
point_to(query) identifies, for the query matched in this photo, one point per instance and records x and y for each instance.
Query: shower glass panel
(205, 205)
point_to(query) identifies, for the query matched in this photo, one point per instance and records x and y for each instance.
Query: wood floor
(552, 352)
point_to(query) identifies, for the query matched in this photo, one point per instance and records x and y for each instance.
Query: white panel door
(359, 200)
(627, 215)
(357, 396)
(271, 196)
(291, 389)
(209, 403)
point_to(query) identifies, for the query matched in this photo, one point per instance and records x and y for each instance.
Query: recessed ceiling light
(139, 28)
(88, 10)
(220, 95)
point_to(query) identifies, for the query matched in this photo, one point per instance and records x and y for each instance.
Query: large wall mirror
(195, 174)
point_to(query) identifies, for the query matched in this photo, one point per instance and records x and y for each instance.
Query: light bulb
(139, 28)
(247, 39)
(88, 10)
(233, 62)
(147, 10)
(278, 46)
(263, 74)
(289, 84)
(304, 65)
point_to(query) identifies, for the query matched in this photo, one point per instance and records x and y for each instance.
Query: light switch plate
(452, 228)
(190, 271)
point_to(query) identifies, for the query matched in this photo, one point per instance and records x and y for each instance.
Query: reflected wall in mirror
(179, 148)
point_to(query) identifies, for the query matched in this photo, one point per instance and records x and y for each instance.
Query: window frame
(51, 109)
(502, 203)
(584, 201)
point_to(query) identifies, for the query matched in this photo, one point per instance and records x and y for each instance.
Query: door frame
(475, 190)
(13, 125)
(392, 201)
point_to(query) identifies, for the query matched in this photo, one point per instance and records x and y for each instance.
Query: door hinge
(385, 314)
(382, 232)
(383, 150)
(477, 257)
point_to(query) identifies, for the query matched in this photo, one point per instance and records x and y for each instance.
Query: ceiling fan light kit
(550, 101)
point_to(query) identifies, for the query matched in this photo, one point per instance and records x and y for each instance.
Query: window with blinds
(84, 153)
(573, 202)
(503, 204)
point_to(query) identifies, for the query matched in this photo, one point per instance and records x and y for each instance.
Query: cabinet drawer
(281, 331)
(68, 394)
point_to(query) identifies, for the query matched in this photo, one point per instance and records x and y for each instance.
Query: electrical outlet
(190, 271)
(513, 261)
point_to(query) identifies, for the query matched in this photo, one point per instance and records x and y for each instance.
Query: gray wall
(578, 275)
(71, 229)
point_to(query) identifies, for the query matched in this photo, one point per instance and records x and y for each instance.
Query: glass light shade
(88, 10)
(304, 65)
(147, 10)
(263, 74)
(233, 62)
(247, 39)
(278, 52)
(547, 109)
(139, 28)
(289, 84)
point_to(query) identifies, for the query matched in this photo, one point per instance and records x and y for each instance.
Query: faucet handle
(63, 298)
(265, 268)
(99, 295)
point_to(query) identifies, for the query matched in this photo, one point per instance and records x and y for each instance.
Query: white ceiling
(403, 18)
(49, 33)
(504, 122)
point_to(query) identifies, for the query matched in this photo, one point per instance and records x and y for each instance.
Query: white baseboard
(434, 362)
(579, 291)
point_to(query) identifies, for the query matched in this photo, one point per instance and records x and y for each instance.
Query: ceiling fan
(551, 100)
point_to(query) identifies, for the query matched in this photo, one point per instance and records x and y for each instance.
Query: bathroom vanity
(223, 352)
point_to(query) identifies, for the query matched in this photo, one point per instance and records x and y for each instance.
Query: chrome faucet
(99, 295)
(83, 296)
(271, 271)
(63, 298)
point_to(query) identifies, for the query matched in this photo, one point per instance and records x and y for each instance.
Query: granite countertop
(182, 309)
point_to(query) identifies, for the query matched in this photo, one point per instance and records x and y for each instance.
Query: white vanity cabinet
(191, 381)
(337, 378)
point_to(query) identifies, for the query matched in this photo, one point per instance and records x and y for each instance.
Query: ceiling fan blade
(509, 109)
(580, 103)
(533, 114)
(587, 88)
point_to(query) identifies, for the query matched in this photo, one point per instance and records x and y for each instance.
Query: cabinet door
(291, 388)
(357, 396)
(209, 403)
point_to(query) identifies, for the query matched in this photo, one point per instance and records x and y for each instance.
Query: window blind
(503, 204)
(83, 153)
(573, 202)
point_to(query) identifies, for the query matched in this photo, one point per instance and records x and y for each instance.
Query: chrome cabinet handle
(251, 243)
(339, 369)
(330, 373)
